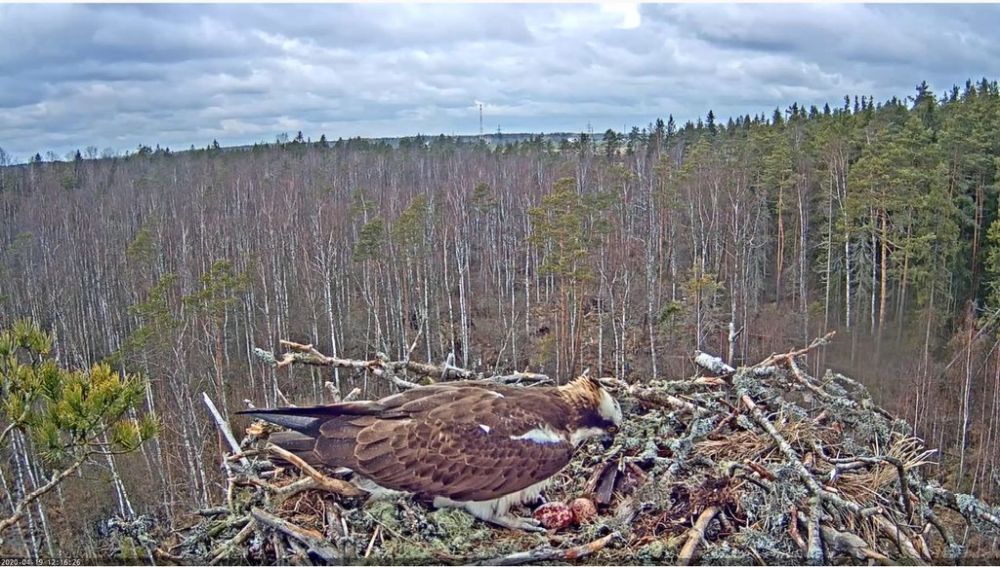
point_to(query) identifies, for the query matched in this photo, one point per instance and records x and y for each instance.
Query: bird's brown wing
(461, 443)
(325, 435)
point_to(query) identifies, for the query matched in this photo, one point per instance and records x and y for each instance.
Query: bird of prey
(475, 445)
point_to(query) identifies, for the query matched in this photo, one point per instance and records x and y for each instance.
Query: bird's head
(597, 412)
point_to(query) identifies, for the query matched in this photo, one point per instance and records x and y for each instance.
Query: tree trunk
(884, 273)
(966, 404)
(779, 254)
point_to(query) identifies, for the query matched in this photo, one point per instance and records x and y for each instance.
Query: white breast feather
(497, 506)
(541, 435)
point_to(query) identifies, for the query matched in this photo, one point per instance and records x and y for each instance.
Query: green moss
(452, 520)
(402, 551)
(383, 512)
(653, 551)
(457, 532)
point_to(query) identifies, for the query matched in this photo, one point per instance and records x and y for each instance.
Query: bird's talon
(530, 525)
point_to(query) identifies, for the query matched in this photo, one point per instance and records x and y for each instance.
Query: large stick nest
(759, 465)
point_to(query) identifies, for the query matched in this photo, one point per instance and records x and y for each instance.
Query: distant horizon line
(308, 140)
(940, 95)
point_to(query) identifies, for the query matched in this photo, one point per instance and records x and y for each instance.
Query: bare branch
(224, 429)
(776, 358)
(713, 364)
(312, 539)
(696, 534)
(322, 481)
(546, 553)
(226, 550)
(22, 505)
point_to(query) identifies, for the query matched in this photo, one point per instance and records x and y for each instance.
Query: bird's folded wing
(470, 445)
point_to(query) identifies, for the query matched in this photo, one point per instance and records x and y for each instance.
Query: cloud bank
(118, 76)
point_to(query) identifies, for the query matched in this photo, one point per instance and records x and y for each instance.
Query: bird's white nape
(609, 408)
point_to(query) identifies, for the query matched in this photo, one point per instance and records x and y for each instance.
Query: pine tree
(71, 416)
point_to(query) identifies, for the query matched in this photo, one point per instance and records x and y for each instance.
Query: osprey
(475, 445)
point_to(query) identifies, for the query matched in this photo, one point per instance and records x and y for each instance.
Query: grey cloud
(176, 75)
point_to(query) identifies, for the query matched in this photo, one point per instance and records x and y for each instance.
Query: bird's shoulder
(500, 406)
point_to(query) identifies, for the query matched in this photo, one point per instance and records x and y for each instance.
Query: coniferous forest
(621, 253)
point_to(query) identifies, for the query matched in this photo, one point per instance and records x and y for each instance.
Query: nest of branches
(762, 464)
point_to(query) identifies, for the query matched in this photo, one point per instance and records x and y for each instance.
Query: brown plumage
(477, 445)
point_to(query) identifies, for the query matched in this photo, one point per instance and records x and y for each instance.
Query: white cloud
(629, 12)
(176, 75)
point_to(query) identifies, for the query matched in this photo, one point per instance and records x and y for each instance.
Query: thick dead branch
(382, 367)
(224, 429)
(696, 534)
(229, 548)
(965, 504)
(843, 542)
(320, 480)
(898, 536)
(662, 400)
(815, 553)
(540, 554)
(312, 539)
(521, 378)
(307, 354)
(713, 364)
(793, 529)
(784, 357)
(655, 396)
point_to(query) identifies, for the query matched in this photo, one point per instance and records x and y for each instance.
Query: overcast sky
(116, 76)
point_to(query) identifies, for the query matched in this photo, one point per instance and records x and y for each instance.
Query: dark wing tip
(329, 410)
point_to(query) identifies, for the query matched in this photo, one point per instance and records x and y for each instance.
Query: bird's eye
(613, 429)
